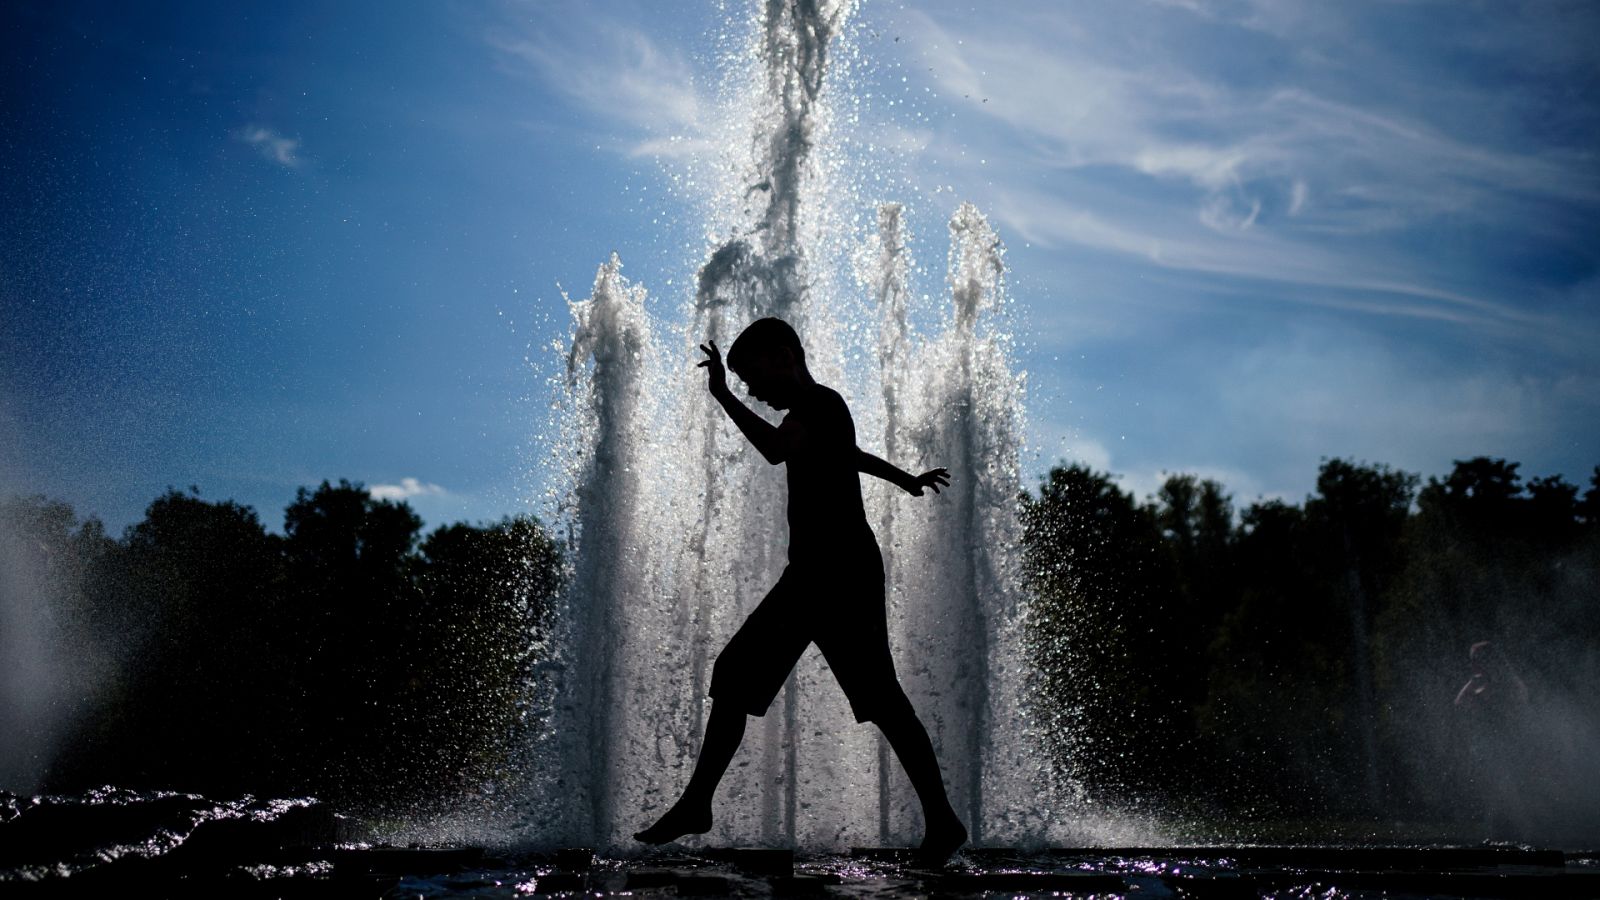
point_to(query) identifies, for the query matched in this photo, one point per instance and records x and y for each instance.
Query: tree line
(1280, 660)
(350, 657)
(1314, 659)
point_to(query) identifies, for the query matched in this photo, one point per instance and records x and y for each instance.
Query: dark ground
(182, 845)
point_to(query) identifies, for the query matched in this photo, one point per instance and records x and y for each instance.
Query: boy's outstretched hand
(935, 479)
(718, 380)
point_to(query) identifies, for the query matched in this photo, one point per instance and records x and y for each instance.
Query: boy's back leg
(906, 734)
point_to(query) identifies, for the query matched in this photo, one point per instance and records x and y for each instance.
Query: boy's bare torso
(824, 507)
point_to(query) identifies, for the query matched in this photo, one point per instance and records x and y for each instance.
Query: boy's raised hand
(935, 478)
(718, 374)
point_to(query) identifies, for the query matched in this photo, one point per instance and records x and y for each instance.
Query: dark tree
(191, 601)
(1273, 678)
(1552, 512)
(1196, 522)
(208, 655)
(1099, 632)
(1487, 561)
(483, 623)
(1356, 519)
(351, 602)
(1590, 508)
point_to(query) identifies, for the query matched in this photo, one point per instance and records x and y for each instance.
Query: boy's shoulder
(827, 394)
(819, 399)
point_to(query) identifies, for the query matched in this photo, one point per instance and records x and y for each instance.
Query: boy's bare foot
(680, 820)
(941, 839)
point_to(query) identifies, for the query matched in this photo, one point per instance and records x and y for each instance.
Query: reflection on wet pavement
(184, 845)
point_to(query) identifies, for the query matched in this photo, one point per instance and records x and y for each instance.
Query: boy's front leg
(692, 813)
(686, 817)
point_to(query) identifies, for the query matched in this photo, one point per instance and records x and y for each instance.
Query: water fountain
(678, 527)
(676, 531)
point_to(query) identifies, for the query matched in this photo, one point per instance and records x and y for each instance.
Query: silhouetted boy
(831, 593)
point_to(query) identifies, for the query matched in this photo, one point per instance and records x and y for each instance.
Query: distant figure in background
(830, 594)
(1494, 703)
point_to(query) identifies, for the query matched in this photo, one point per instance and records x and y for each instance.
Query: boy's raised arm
(867, 464)
(772, 443)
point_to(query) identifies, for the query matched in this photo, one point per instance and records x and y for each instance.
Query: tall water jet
(885, 270)
(956, 636)
(606, 381)
(763, 269)
(667, 566)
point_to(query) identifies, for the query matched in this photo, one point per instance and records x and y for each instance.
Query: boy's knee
(889, 709)
(730, 708)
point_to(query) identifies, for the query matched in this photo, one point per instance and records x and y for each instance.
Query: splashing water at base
(678, 527)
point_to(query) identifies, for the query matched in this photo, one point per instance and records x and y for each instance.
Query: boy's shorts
(836, 603)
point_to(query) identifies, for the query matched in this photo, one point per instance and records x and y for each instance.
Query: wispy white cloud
(1194, 6)
(1263, 179)
(1088, 106)
(1228, 248)
(618, 73)
(1299, 195)
(405, 490)
(285, 151)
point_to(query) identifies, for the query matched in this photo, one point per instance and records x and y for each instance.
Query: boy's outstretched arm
(773, 443)
(868, 464)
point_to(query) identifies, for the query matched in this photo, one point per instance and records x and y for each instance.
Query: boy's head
(767, 356)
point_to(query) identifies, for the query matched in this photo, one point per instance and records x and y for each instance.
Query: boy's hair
(764, 336)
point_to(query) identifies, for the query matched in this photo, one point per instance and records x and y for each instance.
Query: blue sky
(250, 251)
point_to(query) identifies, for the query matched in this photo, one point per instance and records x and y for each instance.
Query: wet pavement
(1209, 872)
(178, 845)
(1213, 872)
